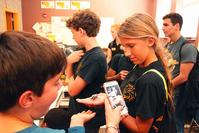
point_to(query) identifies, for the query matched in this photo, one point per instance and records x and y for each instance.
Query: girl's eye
(130, 46)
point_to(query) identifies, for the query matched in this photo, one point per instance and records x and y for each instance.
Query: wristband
(114, 127)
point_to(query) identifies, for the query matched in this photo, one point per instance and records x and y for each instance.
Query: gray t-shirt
(188, 54)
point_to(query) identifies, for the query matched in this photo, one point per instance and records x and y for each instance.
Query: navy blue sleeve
(90, 71)
(115, 61)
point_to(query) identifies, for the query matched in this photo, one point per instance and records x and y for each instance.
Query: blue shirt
(36, 129)
(76, 129)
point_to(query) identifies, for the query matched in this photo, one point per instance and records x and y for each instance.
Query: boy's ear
(26, 99)
(82, 31)
(177, 26)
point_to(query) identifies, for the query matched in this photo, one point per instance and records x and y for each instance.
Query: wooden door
(10, 21)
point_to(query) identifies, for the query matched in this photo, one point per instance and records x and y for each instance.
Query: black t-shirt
(144, 94)
(115, 48)
(121, 62)
(92, 68)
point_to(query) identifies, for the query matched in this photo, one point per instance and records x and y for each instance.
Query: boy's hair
(175, 18)
(86, 20)
(27, 62)
(58, 118)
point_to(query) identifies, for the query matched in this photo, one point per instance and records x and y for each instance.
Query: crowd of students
(31, 67)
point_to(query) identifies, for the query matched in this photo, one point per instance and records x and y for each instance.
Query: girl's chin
(135, 62)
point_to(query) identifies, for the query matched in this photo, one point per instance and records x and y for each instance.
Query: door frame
(15, 17)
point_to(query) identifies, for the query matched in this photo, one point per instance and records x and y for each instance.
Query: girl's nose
(127, 52)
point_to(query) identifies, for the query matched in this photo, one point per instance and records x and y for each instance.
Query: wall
(164, 7)
(104, 8)
(189, 9)
(121, 9)
(12, 6)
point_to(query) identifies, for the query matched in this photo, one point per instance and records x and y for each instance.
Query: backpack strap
(181, 50)
(162, 77)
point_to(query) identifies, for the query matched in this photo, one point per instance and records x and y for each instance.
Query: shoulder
(189, 48)
(117, 57)
(189, 53)
(97, 51)
(111, 44)
(125, 58)
(151, 85)
(41, 130)
(151, 80)
(49, 130)
(96, 54)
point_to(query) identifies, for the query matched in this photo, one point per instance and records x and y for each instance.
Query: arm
(149, 93)
(185, 69)
(76, 86)
(112, 115)
(81, 118)
(78, 120)
(133, 124)
(71, 59)
(94, 100)
(113, 72)
(88, 70)
(109, 55)
(111, 75)
(112, 118)
(137, 124)
(69, 70)
(188, 58)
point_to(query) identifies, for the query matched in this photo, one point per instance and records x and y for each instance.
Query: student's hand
(75, 56)
(123, 74)
(81, 118)
(94, 100)
(112, 115)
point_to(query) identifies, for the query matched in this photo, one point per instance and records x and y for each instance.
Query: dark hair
(86, 20)
(175, 18)
(58, 118)
(27, 62)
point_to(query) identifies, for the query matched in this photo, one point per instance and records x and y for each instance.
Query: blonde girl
(144, 93)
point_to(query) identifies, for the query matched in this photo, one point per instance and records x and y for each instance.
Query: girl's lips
(132, 59)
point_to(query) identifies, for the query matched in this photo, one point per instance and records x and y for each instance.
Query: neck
(175, 37)
(90, 42)
(17, 122)
(117, 41)
(150, 59)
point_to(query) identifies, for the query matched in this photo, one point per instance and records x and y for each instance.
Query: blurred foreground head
(27, 62)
